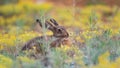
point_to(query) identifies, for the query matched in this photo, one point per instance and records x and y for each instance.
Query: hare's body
(37, 43)
(58, 38)
(33, 43)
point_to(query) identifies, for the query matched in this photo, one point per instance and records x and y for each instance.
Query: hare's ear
(38, 21)
(54, 22)
(49, 26)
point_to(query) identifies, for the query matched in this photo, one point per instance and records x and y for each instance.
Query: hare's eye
(60, 30)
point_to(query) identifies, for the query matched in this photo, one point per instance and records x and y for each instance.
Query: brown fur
(58, 38)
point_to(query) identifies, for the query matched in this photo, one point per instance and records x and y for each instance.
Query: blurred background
(94, 24)
(67, 12)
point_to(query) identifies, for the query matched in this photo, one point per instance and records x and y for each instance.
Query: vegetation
(95, 28)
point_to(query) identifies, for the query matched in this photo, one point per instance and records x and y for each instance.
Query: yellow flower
(103, 59)
(5, 62)
(2, 66)
(1, 47)
(105, 63)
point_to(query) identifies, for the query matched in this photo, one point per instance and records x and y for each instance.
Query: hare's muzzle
(66, 35)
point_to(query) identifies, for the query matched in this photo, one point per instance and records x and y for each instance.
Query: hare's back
(35, 42)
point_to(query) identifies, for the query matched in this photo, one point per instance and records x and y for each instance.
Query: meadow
(93, 29)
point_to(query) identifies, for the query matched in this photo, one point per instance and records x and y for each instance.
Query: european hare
(59, 37)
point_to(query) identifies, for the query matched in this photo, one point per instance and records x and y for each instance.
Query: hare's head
(58, 31)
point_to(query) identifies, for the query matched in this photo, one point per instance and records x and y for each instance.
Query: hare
(59, 37)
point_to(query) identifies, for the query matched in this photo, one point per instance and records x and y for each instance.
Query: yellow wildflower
(5, 62)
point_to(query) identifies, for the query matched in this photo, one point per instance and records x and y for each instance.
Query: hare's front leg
(56, 43)
(61, 41)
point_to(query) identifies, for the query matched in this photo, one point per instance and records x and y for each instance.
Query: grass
(95, 41)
